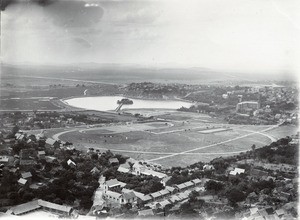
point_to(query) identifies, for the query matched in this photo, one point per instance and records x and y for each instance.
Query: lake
(107, 103)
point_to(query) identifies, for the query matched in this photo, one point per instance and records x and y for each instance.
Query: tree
(94, 156)
(187, 209)
(86, 202)
(15, 129)
(235, 195)
(193, 196)
(130, 166)
(214, 186)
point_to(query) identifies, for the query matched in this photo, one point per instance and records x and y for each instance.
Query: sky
(247, 35)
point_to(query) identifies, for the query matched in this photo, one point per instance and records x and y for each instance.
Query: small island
(125, 102)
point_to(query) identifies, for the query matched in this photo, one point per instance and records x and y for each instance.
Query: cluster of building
(40, 120)
(139, 169)
(115, 192)
(247, 107)
(25, 208)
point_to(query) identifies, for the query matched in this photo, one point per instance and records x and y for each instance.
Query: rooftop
(50, 141)
(26, 175)
(41, 152)
(113, 160)
(153, 173)
(51, 205)
(128, 195)
(146, 198)
(181, 186)
(25, 207)
(3, 159)
(155, 195)
(123, 169)
(113, 194)
(36, 204)
(196, 181)
(22, 181)
(237, 171)
(69, 162)
(189, 183)
(170, 188)
(112, 183)
(164, 192)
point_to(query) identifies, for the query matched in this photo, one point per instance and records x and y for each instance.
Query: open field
(177, 142)
(27, 104)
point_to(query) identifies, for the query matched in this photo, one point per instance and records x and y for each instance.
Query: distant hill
(117, 73)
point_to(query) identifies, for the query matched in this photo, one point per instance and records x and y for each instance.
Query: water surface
(107, 103)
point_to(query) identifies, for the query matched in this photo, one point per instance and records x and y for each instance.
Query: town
(42, 171)
(40, 174)
(149, 110)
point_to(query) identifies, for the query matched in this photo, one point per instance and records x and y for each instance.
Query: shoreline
(64, 101)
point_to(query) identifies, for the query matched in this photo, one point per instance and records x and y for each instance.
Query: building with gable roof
(113, 185)
(25, 208)
(236, 171)
(71, 163)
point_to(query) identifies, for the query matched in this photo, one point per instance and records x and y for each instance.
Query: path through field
(222, 142)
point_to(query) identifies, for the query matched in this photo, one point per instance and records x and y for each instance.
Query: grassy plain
(179, 144)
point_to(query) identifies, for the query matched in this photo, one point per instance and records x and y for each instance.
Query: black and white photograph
(149, 109)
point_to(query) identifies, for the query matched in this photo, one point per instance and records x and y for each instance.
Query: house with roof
(20, 136)
(39, 204)
(4, 159)
(71, 163)
(121, 198)
(165, 179)
(148, 172)
(55, 208)
(196, 181)
(183, 195)
(27, 176)
(163, 204)
(144, 199)
(41, 154)
(23, 182)
(174, 199)
(137, 194)
(123, 169)
(189, 184)
(50, 159)
(280, 212)
(170, 189)
(164, 192)
(113, 161)
(236, 171)
(52, 143)
(95, 171)
(155, 195)
(113, 185)
(180, 187)
(111, 195)
(128, 197)
(207, 167)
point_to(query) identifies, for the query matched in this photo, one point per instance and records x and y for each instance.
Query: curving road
(212, 145)
(187, 152)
